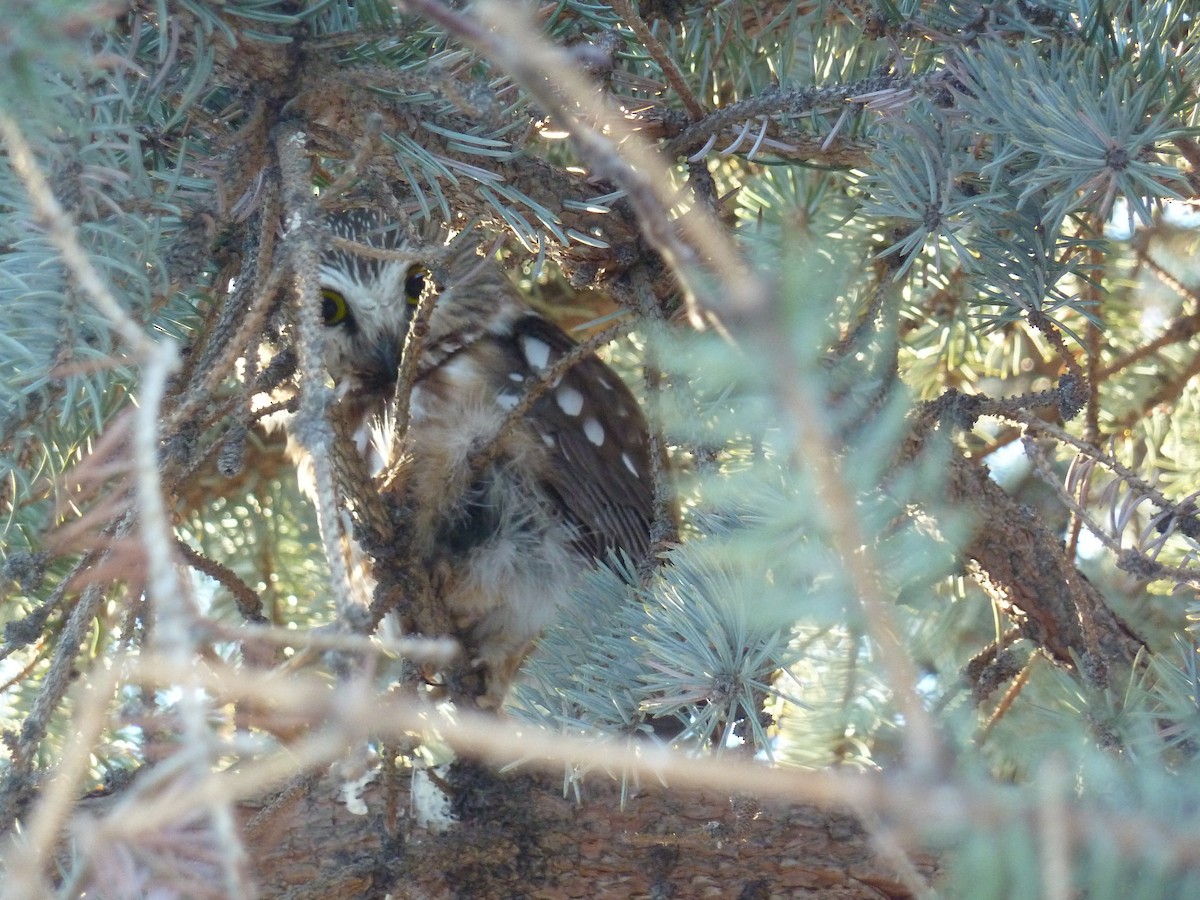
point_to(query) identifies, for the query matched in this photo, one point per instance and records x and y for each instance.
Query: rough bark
(518, 837)
(1023, 566)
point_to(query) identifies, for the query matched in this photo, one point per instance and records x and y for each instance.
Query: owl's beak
(381, 371)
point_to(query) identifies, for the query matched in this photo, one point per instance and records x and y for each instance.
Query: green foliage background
(937, 198)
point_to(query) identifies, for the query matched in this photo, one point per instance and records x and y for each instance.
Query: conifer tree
(908, 291)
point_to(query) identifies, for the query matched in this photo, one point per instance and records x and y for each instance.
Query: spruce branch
(410, 361)
(248, 602)
(50, 694)
(703, 134)
(996, 206)
(302, 244)
(372, 128)
(25, 861)
(63, 234)
(1171, 390)
(625, 9)
(1019, 562)
(172, 614)
(545, 72)
(243, 318)
(664, 529)
(1178, 330)
(912, 803)
(1171, 516)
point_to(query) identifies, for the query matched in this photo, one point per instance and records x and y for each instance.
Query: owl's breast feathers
(563, 487)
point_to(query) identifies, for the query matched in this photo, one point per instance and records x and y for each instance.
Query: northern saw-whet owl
(502, 543)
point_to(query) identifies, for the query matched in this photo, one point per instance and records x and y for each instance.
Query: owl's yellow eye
(333, 307)
(414, 283)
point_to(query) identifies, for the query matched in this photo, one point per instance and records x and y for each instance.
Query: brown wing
(601, 472)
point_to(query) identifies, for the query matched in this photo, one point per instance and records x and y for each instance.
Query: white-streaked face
(369, 298)
(367, 303)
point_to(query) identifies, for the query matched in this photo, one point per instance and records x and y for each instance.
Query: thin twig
(1009, 698)
(175, 614)
(1037, 425)
(62, 669)
(248, 602)
(692, 244)
(877, 292)
(1128, 558)
(438, 650)
(260, 290)
(624, 9)
(1050, 331)
(30, 850)
(795, 103)
(40, 650)
(312, 429)
(410, 254)
(1169, 390)
(406, 379)
(372, 125)
(27, 630)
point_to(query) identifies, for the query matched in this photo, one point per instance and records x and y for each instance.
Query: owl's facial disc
(366, 310)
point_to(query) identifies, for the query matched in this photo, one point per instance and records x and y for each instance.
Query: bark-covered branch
(517, 836)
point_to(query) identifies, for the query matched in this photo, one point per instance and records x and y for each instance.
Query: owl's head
(368, 300)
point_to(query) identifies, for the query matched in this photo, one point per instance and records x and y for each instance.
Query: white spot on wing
(629, 465)
(516, 376)
(537, 352)
(548, 440)
(594, 431)
(569, 400)
(460, 370)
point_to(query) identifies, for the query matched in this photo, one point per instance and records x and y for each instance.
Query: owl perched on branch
(513, 477)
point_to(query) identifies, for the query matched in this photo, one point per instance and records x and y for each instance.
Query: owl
(505, 516)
